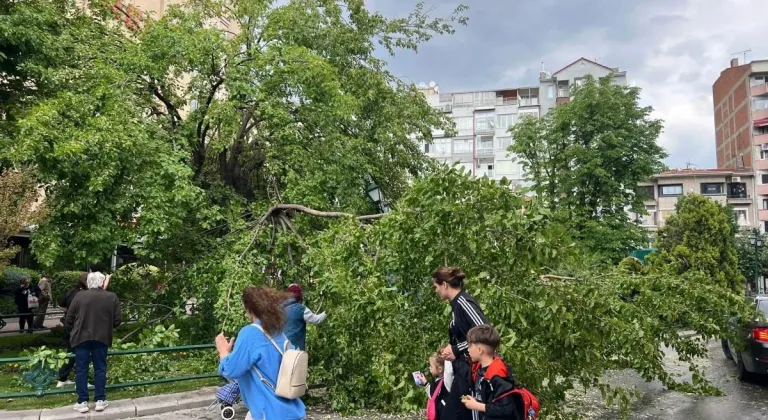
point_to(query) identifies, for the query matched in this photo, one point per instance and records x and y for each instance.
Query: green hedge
(11, 277)
(7, 305)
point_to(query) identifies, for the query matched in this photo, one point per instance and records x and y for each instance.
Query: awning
(763, 122)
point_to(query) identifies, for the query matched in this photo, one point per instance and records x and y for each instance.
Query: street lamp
(375, 195)
(757, 241)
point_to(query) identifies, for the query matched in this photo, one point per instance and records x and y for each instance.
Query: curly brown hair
(265, 304)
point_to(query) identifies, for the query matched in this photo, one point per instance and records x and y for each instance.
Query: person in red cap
(297, 317)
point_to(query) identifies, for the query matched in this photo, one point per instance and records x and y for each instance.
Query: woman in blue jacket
(253, 349)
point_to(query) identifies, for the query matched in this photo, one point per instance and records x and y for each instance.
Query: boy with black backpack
(495, 395)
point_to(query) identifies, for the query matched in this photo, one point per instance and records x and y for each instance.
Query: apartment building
(727, 187)
(740, 100)
(483, 118)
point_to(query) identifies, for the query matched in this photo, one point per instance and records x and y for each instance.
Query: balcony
(562, 100)
(506, 101)
(761, 164)
(489, 172)
(759, 114)
(762, 215)
(444, 108)
(761, 139)
(526, 101)
(762, 189)
(761, 89)
(485, 150)
(485, 125)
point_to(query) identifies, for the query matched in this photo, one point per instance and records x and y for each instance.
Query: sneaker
(82, 407)
(101, 405)
(62, 384)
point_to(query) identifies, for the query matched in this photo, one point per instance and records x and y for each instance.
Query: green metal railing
(43, 377)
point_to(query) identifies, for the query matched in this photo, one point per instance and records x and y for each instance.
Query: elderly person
(91, 319)
(42, 304)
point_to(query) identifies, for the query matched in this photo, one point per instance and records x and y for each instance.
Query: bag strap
(263, 379)
(438, 388)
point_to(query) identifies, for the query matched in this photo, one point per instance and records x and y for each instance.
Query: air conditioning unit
(764, 146)
(735, 179)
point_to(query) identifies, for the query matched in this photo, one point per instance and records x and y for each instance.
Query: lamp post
(756, 240)
(375, 195)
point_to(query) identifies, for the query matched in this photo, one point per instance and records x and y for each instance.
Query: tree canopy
(176, 126)
(585, 157)
(700, 238)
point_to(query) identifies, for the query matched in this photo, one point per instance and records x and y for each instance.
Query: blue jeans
(85, 353)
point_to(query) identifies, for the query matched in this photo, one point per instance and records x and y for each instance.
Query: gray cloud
(673, 49)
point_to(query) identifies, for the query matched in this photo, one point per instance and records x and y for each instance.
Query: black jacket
(493, 387)
(21, 297)
(442, 397)
(465, 314)
(93, 315)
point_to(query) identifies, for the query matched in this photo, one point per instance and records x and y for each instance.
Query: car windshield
(762, 306)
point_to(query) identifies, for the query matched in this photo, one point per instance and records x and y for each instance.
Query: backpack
(292, 375)
(432, 402)
(525, 402)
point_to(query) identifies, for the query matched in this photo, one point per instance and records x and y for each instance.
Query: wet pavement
(742, 401)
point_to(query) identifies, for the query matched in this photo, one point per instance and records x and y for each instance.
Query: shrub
(11, 277)
(7, 305)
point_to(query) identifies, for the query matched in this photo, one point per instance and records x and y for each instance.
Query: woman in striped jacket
(465, 314)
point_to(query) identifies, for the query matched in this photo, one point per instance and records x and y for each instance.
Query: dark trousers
(462, 385)
(67, 368)
(27, 318)
(85, 353)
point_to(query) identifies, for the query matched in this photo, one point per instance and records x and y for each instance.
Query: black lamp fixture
(375, 195)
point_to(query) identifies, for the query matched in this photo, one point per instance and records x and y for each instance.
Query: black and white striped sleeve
(471, 316)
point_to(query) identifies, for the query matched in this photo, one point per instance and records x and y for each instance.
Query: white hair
(96, 280)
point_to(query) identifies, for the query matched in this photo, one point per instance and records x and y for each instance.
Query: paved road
(743, 401)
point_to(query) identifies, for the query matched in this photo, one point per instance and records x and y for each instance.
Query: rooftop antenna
(743, 54)
(688, 164)
(542, 66)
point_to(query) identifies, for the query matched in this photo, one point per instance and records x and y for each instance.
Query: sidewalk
(122, 409)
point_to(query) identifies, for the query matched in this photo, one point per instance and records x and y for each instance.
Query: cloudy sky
(673, 49)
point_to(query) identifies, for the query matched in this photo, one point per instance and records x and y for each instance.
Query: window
(763, 154)
(646, 192)
(484, 98)
(741, 217)
(759, 104)
(737, 190)
(485, 121)
(462, 146)
(550, 91)
(764, 179)
(529, 113)
(671, 190)
(759, 80)
(562, 89)
(647, 219)
(463, 123)
(462, 99)
(761, 130)
(712, 188)
(441, 147)
(504, 121)
(765, 204)
(503, 143)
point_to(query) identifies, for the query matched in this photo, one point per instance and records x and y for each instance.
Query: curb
(123, 409)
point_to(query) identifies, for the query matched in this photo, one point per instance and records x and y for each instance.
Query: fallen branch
(313, 212)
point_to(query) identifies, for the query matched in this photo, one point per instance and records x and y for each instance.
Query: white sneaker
(101, 405)
(61, 384)
(81, 407)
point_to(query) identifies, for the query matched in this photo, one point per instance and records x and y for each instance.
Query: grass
(56, 401)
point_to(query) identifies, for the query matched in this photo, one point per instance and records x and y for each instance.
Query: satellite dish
(432, 84)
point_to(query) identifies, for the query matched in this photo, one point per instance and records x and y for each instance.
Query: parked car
(752, 358)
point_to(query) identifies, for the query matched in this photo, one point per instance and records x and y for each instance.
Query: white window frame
(466, 145)
(758, 80)
(463, 123)
(662, 187)
(504, 121)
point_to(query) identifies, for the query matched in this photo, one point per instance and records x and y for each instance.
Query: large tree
(585, 157)
(174, 130)
(700, 238)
